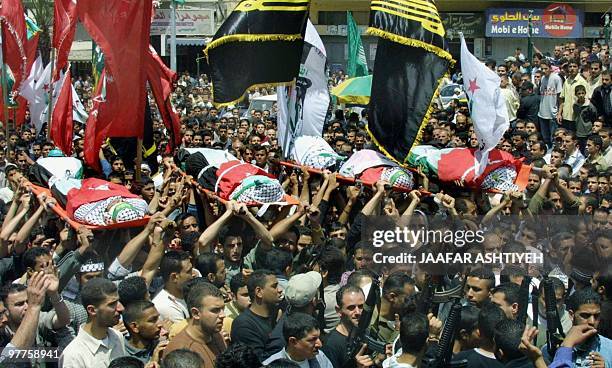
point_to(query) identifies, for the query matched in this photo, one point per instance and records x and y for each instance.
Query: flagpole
(138, 171)
(50, 110)
(288, 144)
(530, 42)
(173, 35)
(3, 83)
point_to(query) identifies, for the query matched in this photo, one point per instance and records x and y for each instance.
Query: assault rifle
(554, 330)
(444, 353)
(523, 300)
(360, 335)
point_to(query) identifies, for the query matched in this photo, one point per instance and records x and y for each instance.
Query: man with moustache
(202, 334)
(97, 343)
(302, 338)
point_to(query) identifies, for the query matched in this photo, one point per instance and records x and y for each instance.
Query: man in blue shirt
(593, 351)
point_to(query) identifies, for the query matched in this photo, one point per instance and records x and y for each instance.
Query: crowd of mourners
(210, 283)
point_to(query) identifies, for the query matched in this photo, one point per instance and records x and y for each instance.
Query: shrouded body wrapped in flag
(487, 105)
(303, 108)
(409, 67)
(501, 172)
(260, 43)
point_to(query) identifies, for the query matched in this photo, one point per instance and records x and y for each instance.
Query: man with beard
(141, 319)
(601, 98)
(398, 287)
(97, 343)
(202, 334)
(585, 309)
(350, 301)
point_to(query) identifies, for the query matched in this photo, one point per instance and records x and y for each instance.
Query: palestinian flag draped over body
(260, 43)
(410, 64)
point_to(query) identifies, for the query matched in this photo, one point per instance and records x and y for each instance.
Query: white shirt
(575, 160)
(85, 351)
(170, 307)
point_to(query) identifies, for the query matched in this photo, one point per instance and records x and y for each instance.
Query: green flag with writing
(357, 64)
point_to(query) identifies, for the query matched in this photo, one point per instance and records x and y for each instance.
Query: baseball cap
(302, 288)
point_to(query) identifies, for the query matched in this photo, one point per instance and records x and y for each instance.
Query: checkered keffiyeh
(398, 177)
(259, 189)
(320, 159)
(96, 213)
(501, 179)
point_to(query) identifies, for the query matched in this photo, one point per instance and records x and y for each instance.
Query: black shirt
(252, 330)
(334, 347)
(475, 359)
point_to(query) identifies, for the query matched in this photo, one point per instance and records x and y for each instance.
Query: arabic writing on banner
(188, 22)
(471, 24)
(555, 21)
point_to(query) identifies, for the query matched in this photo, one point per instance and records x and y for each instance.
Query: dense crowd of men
(216, 284)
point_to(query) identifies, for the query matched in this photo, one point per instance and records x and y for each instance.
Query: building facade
(486, 38)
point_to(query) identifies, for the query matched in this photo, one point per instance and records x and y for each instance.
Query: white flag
(304, 108)
(487, 106)
(37, 94)
(29, 85)
(78, 110)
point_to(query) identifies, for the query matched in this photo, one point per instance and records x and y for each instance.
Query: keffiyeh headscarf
(501, 179)
(319, 159)
(258, 189)
(122, 212)
(398, 177)
(314, 152)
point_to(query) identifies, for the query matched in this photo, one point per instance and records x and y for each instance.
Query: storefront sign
(188, 22)
(472, 25)
(556, 21)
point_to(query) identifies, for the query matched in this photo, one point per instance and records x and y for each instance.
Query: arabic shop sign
(188, 22)
(472, 25)
(555, 21)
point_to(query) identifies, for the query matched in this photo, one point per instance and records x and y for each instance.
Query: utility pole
(530, 41)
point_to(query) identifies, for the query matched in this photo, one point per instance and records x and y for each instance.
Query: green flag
(357, 64)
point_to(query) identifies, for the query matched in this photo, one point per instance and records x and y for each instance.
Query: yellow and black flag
(410, 64)
(260, 43)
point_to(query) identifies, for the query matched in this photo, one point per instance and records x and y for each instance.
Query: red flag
(121, 28)
(161, 78)
(61, 123)
(14, 38)
(97, 123)
(63, 31)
